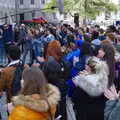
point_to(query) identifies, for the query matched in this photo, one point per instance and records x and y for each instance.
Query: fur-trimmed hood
(94, 84)
(39, 104)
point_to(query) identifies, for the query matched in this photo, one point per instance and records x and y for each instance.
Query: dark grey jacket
(112, 110)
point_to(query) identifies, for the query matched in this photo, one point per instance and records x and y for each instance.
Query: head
(111, 37)
(87, 38)
(111, 29)
(80, 31)
(5, 26)
(33, 82)
(95, 35)
(54, 49)
(13, 52)
(106, 51)
(37, 31)
(94, 65)
(106, 42)
(31, 32)
(101, 31)
(87, 50)
(97, 27)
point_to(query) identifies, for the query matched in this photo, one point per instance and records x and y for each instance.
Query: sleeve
(112, 110)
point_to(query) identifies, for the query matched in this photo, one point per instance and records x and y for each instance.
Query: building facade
(109, 18)
(16, 11)
(7, 8)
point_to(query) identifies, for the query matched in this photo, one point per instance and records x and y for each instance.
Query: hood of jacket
(94, 84)
(39, 104)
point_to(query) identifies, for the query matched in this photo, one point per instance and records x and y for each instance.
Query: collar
(13, 63)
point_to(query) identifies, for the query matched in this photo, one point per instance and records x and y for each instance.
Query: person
(37, 99)
(57, 70)
(117, 45)
(7, 34)
(38, 47)
(88, 96)
(107, 53)
(7, 73)
(22, 37)
(49, 36)
(3, 56)
(28, 46)
(95, 38)
(111, 38)
(112, 108)
(102, 34)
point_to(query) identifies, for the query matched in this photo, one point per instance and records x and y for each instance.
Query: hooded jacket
(94, 84)
(35, 108)
(88, 97)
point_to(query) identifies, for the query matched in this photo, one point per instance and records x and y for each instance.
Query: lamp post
(16, 11)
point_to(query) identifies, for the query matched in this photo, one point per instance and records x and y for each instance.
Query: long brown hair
(34, 82)
(110, 60)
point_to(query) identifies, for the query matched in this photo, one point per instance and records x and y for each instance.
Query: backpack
(16, 85)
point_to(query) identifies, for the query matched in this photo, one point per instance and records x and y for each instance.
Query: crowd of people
(57, 72)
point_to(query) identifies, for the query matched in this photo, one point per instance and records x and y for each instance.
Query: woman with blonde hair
(90, 84)
(37, 99)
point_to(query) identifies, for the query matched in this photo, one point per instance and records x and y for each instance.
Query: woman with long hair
(107, 53)
(57, 70)
(37, 99)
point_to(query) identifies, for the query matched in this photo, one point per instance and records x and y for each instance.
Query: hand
(36, 65)
(41, 59)
(10, 107)
(111, 93)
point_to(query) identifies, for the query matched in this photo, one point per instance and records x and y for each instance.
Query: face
(30, 33)
(101, 53)
(6, 27)
(37, 32)
(80, 31)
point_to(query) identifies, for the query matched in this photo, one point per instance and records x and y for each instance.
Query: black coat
(87, 107)
(57, 72)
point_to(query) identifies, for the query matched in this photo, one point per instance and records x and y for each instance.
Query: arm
(2, 81)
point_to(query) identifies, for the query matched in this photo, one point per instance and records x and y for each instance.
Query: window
(33, 15)
(21, 2)
(42, 1)
(21, 18)
(32, 2)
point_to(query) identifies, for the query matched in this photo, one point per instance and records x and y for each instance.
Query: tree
(85, 8)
